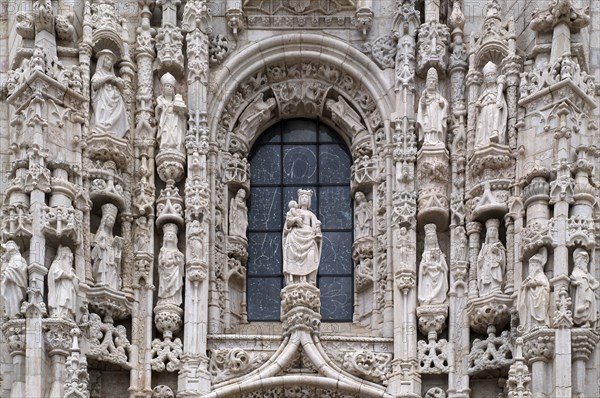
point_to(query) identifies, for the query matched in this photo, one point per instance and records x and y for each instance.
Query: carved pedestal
(492, 311)
(300, 307)
(433, 172)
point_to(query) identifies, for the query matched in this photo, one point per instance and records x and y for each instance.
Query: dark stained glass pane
(264, 212)
(334, 165)
(266, 165)
(263, 299)
(272, 135)
(299, 130)
(326, 135)
(335, 210)
(299, 164)
(335, 258)
(264, 256)
(336, 298)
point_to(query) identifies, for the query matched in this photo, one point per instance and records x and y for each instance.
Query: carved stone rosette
(300, 307)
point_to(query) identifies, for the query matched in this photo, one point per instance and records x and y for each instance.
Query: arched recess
(300, 76)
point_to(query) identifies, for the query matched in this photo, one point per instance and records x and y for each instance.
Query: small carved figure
(106, 253)
(171, 115)
(14, 279)
(405, 247)
(491, 261)
(143, 229)
(534, 295)
(255, 114)
(302, 240)
(195, 244)
(432, 113)
(238, 214)
(492, 112)
(460, 244)
(433, 271)
(62, 285)
(583, 287)
(170, 268)
(109, 112)
(363, 216)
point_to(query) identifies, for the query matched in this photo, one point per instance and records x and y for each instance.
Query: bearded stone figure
(171, 115)
(170, 268)
(432, 114)
(109, 112)
(534, 295)
(433, 271)
(14, 279)
(62, 285)
(492, 109)
(106, 251)
(491, 261)
(302, 241)
(583, 287)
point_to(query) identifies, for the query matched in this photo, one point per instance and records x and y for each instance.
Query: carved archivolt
(333, 87)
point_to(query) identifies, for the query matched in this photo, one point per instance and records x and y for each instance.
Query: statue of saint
(109, 113)
(14, 279)
(433, 271)
(583, 286)
(302, 241)
(491, 261)
(171, 115)
(256, 113)
(143, 231)
(492, 111)
(534, 295)
(106, 253)
(238, 214)
(170, 268)
(62, 285)
(432, 114)
(363, 216)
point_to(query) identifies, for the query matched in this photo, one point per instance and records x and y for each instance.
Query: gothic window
(293, 154)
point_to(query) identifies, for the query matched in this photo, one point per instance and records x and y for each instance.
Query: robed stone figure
(106, 251)
(109, 112)
(432, 114)
(14, 279)
(534, 296)
(171, 263)
(62, 285)
(302, 241)
(583, 287)
(433, 271)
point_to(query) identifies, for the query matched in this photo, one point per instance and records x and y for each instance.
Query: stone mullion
(143, 187)
(200, 184)
(458, 320)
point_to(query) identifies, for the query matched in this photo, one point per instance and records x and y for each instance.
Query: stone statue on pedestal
(238, 215)
(491, 261)
(433, 271)
(534, 295)
(14, 279)
(171, 115)
(432, 114)
(109, 112)
(106, 251)
(492, 109)
(302, 240)
(363, 216)
(583, 287)
(62, 285)
(170, 268)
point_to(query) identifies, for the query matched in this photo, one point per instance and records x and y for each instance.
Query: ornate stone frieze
(227, 364)
(107, 343)
(299, 14)
(433, 356)
(493, 353)
(16, 220)
(369, 365)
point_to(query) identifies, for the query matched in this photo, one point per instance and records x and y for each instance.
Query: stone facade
(125, 135)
